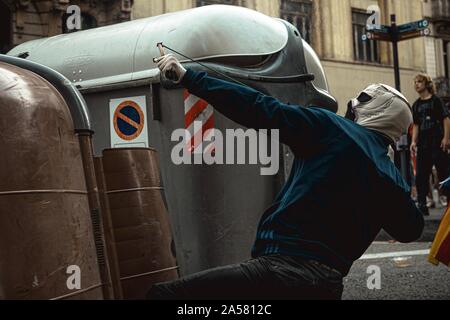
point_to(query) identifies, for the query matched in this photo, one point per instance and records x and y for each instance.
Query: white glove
(168, 62)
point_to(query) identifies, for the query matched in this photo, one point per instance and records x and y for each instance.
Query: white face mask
(381, 108)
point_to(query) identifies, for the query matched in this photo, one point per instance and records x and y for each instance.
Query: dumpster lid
(124, 52)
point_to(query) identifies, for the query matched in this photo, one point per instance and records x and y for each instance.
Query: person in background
(430, 137)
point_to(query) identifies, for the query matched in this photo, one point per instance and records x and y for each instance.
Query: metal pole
(85, 140)
(108, 230)
(403, 152)
(395, 51)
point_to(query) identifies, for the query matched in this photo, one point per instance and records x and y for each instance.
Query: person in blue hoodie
(342, 190)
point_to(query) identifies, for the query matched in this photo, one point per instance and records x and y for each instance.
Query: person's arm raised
(299, 127)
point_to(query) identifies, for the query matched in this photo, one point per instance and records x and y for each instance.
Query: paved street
(405, 271)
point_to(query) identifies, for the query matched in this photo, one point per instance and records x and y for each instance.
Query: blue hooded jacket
(342, 190)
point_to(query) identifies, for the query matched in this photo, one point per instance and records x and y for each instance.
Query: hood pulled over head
(382, 108)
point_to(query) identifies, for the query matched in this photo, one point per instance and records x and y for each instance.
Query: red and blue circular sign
(128, 120)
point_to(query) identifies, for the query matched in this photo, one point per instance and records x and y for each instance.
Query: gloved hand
(169, 64)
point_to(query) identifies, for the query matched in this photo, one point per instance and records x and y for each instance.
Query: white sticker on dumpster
(128, 119)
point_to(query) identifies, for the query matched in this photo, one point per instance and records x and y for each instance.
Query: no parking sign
(128, 122)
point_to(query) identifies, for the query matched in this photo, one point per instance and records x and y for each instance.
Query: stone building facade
(24, 20)
(438, 45)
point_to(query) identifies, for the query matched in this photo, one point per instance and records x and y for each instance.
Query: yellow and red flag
(440, 250)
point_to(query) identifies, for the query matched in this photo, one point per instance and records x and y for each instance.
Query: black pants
(427, 156)
(272, 277)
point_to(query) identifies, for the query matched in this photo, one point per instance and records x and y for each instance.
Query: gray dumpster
(214, 209)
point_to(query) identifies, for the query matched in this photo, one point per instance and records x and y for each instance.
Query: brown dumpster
(140, 220)
(45, 226)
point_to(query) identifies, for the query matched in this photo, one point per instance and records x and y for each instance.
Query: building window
(299, 13)
(87, 22)
(5, 28)
(447, 58)
(201, 3)
(368, 50)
